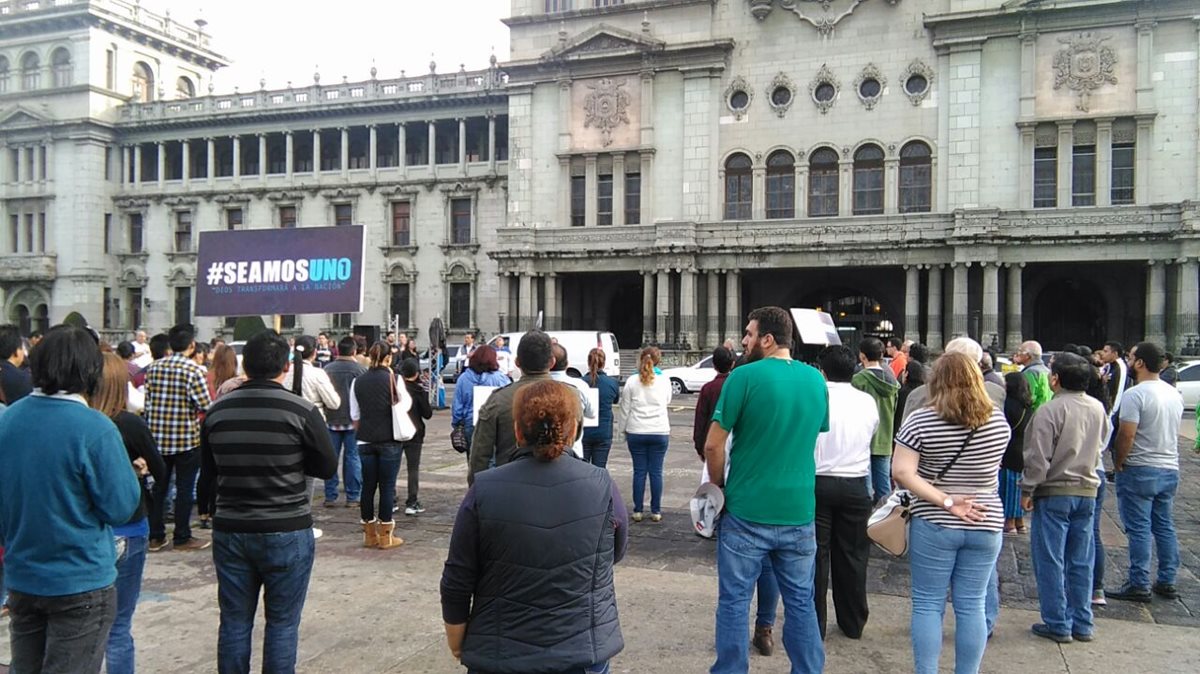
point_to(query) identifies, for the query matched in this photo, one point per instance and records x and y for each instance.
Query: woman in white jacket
(309, 381)
(642, 417)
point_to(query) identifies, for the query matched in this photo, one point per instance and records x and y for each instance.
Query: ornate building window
(398, 303)
(343, 215)
(869, 86)
(287, 217)
(824, 89)
(916, 178)
(1083, 175)
(143, 83)
(460, 220)
(184, 88)
(460, 306)
(633, 190)
(604, 192)
(781, 185)
(868, 180)
(1045, 177)
(823, 183)
(136, 233)
(739, 191)
(183, 305)
(401, 223)
(916, 80)
(234, 218)
(1123, 156)
(183, 231)
(135, 308)
(61, 67)
(31, 71)
(780, 94)
(738, 96)
(5, 71)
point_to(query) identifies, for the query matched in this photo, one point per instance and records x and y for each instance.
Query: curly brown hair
(546, 418)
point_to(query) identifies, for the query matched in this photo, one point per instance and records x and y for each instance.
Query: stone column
(372, 149)
(647, 206)
(663, 310)
(126, 162)
(402, 148)
(1188, 304)
(618, 189)
(564, 193)
(1145, 63)
(137, 164)
(185, 154)
(933, 331)
(801, 187)
(505, 301)
(712, 333)
(432, 144)
(553, 319)
(959, 325)
(1104, 161)
(891, 184)
(262, 156)
(491, 142)
(589, 208)
(912, 302)
(845, 187)
(1142, 163)
(210, 160)
(687, 308)
(1156, 302)
(990, 329)
(160, 147)
(462, 144)
(733, 306)
(344, 151)
(758, 192)
(1025, 165)
(289, 153)
(316, 152)
(1028, 74)
(237, 157)
(1066, 149)
(525, 300)
(1012, 323)
(648, 307)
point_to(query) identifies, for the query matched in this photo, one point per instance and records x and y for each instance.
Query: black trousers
(843, 507)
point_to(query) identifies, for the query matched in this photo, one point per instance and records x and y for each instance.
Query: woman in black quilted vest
(528, 582)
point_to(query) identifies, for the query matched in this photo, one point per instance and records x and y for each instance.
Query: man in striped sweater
(259, 443)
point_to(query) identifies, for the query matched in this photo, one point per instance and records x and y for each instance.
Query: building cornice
(589, 12)
(1013, 19)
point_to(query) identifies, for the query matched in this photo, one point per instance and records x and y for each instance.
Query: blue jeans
(792, 550)
(991, 603)
(1145, 497)
(942, 559)
(881, 477)
(380, 466)
(648, 452)
(344, 442)
(60, 634)
(119, 655)
(595, 452)
(768, 595)
(1061, 545)
(278, 564)
(1098, 564)
(598, 668)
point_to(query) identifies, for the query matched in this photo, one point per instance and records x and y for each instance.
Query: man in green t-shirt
(775, 407)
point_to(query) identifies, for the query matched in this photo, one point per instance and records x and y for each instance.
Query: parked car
(1189, 383)
(577, 343)
(692, 378)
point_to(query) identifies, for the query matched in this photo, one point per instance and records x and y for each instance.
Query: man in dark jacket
(494, 436)
(342, 372)
(262, 530)
(710, 393)
(421, 410)
(14, 379)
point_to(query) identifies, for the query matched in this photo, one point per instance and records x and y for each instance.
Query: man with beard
(775, 407)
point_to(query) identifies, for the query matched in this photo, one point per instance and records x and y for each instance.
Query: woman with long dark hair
(1018, 410)
(597, 440)
(948, 455)
(371, 398)
(132, 538)
(224, 368)
(307, 380)
(483, 369)
(643, 420)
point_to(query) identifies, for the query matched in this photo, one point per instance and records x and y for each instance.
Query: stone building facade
(925, 169)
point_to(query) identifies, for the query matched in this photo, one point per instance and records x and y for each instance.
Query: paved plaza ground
(376, 611)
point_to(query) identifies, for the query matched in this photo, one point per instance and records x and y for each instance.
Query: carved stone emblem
(831, 13)
(606, 107)
(1084, 64)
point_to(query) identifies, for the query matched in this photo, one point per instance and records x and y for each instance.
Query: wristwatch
(947, 502)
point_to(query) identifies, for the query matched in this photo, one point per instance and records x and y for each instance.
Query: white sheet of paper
(481, 394)
(593, 396)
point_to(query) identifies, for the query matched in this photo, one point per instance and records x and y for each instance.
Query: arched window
(61, 62)
(781, 185)
(868, 180)
(823, 183)
(143, 83)
(31, 71)
(184, 88)
(24, 324)
(41, 319)
(916, 178)
(4, 72)
(739, 189)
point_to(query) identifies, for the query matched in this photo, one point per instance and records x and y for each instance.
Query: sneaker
(206, 523)
(331, 503)
(352, 504)
(655, 517)
(1098, 598)
(410, 510)
(1041, 630)
(1130, 593)
(191, 544)
(1165, 590)
(637, 517)
(1083, 638)
(157, 544)
(420, 508)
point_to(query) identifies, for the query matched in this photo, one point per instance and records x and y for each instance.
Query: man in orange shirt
(899, 359)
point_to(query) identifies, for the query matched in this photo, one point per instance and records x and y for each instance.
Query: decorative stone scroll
(1084, 64)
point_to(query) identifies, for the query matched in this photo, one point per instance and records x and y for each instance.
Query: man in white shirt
(843, 496)
(504, 358)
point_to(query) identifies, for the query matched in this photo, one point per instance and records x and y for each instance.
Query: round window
(781, 96)
(917, 84)
(739, 100)
(824, 92)
(869, 88)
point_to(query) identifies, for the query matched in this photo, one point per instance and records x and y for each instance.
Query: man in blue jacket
(65, 479)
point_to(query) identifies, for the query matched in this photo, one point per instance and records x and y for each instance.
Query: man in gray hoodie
(1062, 447)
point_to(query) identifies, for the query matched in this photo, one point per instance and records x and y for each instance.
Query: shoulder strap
(954, 460)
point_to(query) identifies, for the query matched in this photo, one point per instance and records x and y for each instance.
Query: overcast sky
(283, 40)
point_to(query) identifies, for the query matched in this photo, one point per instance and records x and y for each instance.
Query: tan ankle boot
(386, 540)
(371, 534)
(762, 640)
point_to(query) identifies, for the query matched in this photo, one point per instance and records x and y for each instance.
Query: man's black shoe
(1130, 593)
(1041, 630)
(1165, 590)
(1085, 638)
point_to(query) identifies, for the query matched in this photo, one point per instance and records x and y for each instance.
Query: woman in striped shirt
(948, 455)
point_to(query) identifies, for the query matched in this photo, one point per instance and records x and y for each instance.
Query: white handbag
(403, 428)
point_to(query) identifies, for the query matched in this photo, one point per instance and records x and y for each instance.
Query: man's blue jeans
(1063, 553)
(648, 452)
(1145, 497)
(881, 477)
(278, 564)
(119, 655)
(960, 561)
(346, 443)
(741, 548)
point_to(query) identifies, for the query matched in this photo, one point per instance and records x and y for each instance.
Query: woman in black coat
(1018, 409)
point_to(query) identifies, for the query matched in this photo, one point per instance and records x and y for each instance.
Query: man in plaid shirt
(176, 396)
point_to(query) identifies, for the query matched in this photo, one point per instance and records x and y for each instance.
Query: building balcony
(28, 267)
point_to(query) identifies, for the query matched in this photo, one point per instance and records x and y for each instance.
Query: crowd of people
(116, 444)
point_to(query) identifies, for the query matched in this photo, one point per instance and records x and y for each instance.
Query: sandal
(1021, 531)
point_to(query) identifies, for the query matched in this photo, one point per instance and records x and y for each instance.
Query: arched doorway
(1070, 310)
(855, 314)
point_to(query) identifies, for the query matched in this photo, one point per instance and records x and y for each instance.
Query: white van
(577, 343)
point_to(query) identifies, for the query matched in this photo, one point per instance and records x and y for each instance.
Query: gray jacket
(919, 397)
(1063, 445)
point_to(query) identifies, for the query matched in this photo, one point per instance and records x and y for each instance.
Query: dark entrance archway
(1070, 310)
(855, 314)
(604, 301)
